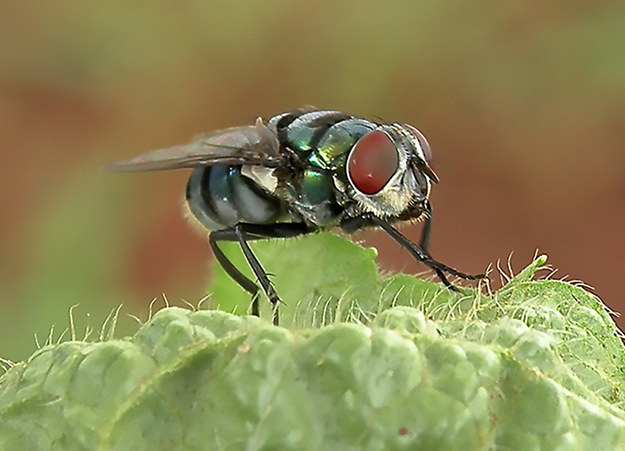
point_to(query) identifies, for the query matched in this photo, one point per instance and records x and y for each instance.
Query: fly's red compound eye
(372, 162)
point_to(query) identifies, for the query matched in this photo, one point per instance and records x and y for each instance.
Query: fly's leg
(427, 228)
(232, 270)
(352, 224)
(242, 233)
(422, 255)
(425, 242)
(237, 234)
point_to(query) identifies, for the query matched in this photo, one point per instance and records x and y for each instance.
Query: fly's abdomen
(220, 197)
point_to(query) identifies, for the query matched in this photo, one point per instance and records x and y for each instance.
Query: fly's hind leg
(232, 270)
(425, 242)
(242, 233)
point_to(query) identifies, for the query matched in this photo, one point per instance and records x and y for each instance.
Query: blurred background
(522, 102)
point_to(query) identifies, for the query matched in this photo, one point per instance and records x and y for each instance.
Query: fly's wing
(255, 144)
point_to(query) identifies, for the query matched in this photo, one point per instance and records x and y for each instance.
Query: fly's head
(388, 172)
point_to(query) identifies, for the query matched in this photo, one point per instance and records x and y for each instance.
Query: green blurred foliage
(522, 103)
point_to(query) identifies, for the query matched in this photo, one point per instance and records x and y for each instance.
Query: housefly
(300, 172)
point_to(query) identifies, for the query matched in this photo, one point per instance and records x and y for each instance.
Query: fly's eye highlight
(372, 162)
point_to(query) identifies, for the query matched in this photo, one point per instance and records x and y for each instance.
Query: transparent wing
(254, 144)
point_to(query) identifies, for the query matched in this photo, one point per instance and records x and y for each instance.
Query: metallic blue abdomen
(220, 197)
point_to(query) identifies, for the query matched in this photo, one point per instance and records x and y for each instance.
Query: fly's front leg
(423, 256)
(425, 242)
(242, 233)
(427, 228)
(417, 252)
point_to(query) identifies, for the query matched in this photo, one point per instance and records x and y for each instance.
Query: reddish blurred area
(522, 103)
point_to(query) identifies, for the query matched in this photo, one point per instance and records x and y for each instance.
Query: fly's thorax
(387, 173)
(316, 144)
(310, 197)
(319, 139)
(307, 194)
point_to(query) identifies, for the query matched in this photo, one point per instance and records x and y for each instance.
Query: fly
(300, 172)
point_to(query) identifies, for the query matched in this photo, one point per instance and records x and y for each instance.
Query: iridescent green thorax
(327, 148)
(321, 140)
(314, 198)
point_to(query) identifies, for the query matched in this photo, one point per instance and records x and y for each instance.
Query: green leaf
(313, 275)
(362, 362)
